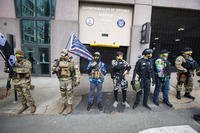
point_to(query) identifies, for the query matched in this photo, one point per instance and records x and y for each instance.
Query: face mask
(64, 57)
(148, 56)
(119, 57)
(187, 54)
(96, 58)
(165, 55)
(19, 57)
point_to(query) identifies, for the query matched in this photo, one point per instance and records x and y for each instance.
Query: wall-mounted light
(156, 38)
(177, 40)
(181, 29)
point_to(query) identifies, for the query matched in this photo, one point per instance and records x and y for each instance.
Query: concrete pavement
(47, 97)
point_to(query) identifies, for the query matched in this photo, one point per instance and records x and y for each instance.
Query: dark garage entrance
(108, 54)
(174, 29)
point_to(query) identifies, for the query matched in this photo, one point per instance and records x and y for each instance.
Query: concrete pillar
(9, 24)
(66, 22)
(142, 14)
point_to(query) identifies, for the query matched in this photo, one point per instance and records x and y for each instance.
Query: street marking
(171, 129)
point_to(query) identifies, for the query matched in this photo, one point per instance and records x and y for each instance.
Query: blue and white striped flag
(77, 48)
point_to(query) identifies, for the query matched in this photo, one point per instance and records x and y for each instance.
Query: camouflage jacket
(67, 70)
(22, 72)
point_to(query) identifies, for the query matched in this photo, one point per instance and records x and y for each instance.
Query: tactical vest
(65, 69)
(96, 72)
(145, 68)
(22, 74)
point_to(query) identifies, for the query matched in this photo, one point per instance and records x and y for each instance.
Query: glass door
(40, 60)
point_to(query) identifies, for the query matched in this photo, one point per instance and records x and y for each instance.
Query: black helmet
(147, 51)
(187, 49)
(164, 51)
(119, 53)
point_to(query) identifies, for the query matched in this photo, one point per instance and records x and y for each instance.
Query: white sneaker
(115, 104)
(126, 104)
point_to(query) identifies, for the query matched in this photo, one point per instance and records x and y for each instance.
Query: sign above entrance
(105, 24)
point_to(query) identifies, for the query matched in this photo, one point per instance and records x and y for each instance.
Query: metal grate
(174, 29)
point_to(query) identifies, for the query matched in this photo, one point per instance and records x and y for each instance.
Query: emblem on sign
(89, 21)
(120, 23)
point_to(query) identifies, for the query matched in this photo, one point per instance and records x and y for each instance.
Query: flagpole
(69, 40)
(3, 55)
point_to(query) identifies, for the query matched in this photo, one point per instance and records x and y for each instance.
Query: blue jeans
(145, 85)
(92, 91)
(163, 86)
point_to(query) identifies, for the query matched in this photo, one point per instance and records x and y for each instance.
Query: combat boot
(147, 106)
(69, 108)
(188, 95)
(178, 95)
(33, 109)
(135, 105)
(62, 108)
(22, 109)
(167, 103)
(100, 106)
(89, 106)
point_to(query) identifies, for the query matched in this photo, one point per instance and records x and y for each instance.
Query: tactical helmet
(97, 53)
(147, 51)
(64, 52)
(19, 53)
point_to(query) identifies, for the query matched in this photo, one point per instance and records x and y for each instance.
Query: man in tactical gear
(96, 70)
(185, 71)
(162, 78)
(144, 69)
(118, 72)
(21, 81)
(69, 77)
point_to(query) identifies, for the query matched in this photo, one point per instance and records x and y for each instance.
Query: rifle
(54, 71)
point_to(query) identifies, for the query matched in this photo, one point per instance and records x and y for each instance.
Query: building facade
(42, 28)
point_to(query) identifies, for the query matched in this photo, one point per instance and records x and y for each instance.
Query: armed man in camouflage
(185, 72)
(21, 81)
(119, 70)
(69, 77)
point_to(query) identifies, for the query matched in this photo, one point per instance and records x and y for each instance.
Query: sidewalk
(47, 97)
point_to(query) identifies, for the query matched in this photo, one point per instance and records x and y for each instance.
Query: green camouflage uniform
(21, 81)
(184, 76)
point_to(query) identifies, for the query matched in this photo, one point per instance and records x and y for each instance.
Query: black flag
(7, 52)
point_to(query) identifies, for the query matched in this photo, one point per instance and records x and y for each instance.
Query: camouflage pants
(24, 94)
(66, 91)
(187, 82)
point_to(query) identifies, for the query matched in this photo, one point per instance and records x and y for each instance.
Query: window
(35, 8)
(35, 16)
(35, 32)
(43, 8)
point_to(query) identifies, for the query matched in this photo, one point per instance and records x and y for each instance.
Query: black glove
(132, 82)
